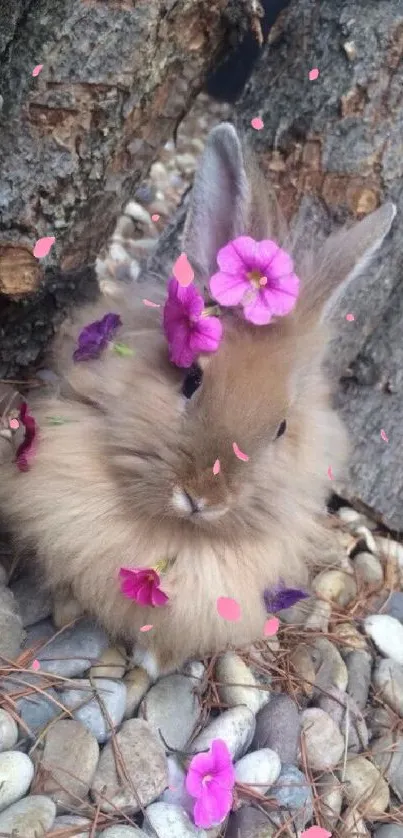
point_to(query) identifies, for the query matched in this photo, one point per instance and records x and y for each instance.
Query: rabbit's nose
(187, 502)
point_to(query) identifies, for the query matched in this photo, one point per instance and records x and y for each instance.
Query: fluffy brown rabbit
(128, 479)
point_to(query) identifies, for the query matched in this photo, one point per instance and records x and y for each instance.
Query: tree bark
(77, 138)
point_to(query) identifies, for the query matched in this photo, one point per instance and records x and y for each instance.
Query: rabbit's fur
(105, 489)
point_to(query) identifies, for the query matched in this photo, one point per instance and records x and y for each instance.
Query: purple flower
(187, 330)
(143, 585)
(277, 599)
(94, 337)
(257, 275)
(211, 779)
(26, 451)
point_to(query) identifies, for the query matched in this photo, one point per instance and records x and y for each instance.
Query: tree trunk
(333, 149)
(77, 137)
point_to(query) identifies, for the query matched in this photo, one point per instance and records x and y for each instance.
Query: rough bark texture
(75, 140)
(333, 149)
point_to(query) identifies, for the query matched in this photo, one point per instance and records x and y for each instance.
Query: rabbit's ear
(343, 257)
(219, 200)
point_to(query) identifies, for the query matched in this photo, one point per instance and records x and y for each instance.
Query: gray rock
(319, 728)
(11, 628)
(38, 634)
(394, 606)
(66, 767)
(260, 769)
(278, 727)
(330, 669)
(249, 822)
(8, 731)
(368, 569)
(294, 797)
(359, 665)
(111, 664)
(74, 650)
(172, 707)
(389, 830)
(235, 726)
(121, 831)
(74, 820)
(364, 787)
(236, 684)
(336, 586)
(347, 716)
(387, 634)
(387, 754)
(16, 772)
(330, 799)
(137, 682)
(145, 764)
(33, 600)
(388, 680)
(29, 818)
(36, 709)
(176, 792)
(110, 696)
(167, 820)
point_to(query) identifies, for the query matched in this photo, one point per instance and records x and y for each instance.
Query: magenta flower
(257, 275)
(187, 329)
(95, 337)
(143, 585)
(26, 450)
(211, 779)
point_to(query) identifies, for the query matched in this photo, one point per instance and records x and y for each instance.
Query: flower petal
(207, 335)
(281, 295)
(266, 251)
(258, 311)
(200, 766)
(238, 257)
(212, 809)
(144, 594)
(222, 762)
(228, 289)
(158, 598)
(280, 264)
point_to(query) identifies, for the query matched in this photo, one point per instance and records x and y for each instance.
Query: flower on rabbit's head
(143, 585)
(188, 328)
(211, 779)
(95, 337)
(280, 598)
(26, 450)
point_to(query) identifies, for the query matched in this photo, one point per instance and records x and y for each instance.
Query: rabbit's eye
(281, 429)
(192, 381)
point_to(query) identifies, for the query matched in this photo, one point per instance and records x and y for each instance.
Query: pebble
(112, 698)
(353, 825)
(121, 831)
(71, 755)
(349, 515)
(167, 821)
(260, 769)
(387, 753)
(388, 681)
(172, 707)
(11, 628)
(38, 634)
(230, 669)
(31, 817)
(330, 798)
(298, 613)
(176, 791)
(73, 820)
(319, 617)
(347, 716)
(366, 535)
(278, 727)
(351, 638)
(16, 773)
(8, 731)
(249, 822)
(394, 606)
(368, 569)
(111, 664)
(387, 634)
(235, 726)
(379, 721)
(336, 586)
(137, 682)
(36, 709)
(330, 669)
(389, 830)
(365, 788)
(145, 763)
(359, 666)
(302, 662)
(389, 549)
(74, 650)
(319, 728)
(33, 600)
(195, 670)
(293, 794)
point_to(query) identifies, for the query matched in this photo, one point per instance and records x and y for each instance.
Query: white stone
(260, 769)
(387, 634)
(16, 773)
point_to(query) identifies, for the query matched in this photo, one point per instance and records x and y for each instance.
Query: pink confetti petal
(151, 304)
(330, 473)
(183, 271)
(36, 665)
(238, 453)
(316, 832)
(229, 609)
(313, 74)
(271, 626)
(216, 467)
(37, 69)
(147, 627)
(257, 123)
(155, 217)
(43, 246)
(350, 317)
(14, 424)
(383, 436)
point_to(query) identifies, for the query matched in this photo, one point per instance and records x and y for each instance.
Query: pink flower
(210, 779)
(142, 585)
(187, 329)
(257, 275)
(26, 450)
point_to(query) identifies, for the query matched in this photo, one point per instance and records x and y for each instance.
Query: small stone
(347, 716)
(278, 727)
(16, 773)
(31, 817)
(260, 769)
(145, 764)
(137, 682)
(388, 681)
(351, 638)
(35, 709)
(74, 820)
(8, 731)
(330, 669)
(160, 709)
(359, 665)
(66, 766)
(349, 515)
(350, 49)
(366, 535)
(38, 634)
(74, 650)
(302, 662)
(379, 720)
(389, 830)
(353, 825)
(365, 788)
(195, 670)
(387, 753)
(319, 728)
(231, 670)
(389, 549)
(330, 799)
(319, 617)
(111, 664)
(387, 634)
(335, 586)
(394, 606)
(294, 797)
(298, 613)
(368, 569)
(167, 821)
(249, 822)
(235, 726)
(176, 792)
(112, 697)
(11, 628)
(33, 600)
(121, 831)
